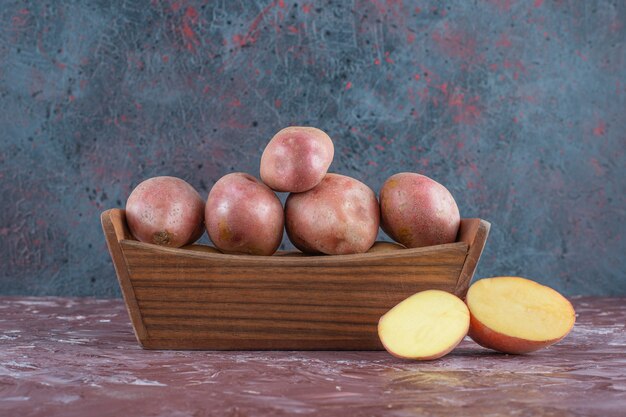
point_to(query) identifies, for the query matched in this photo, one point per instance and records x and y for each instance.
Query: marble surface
(79, 357)
(517, 107)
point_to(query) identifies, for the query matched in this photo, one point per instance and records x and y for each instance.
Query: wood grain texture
(115, 230)
(474, 233)
(198, 299)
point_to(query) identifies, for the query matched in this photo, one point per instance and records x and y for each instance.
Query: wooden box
(199, 298)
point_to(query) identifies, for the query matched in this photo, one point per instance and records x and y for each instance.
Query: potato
(244, 216)
(165, 211)
(338, 216)
(296, 159)
(425, 326)
(417, 211)
(517, 315)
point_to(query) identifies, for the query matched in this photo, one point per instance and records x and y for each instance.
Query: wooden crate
(202, 299)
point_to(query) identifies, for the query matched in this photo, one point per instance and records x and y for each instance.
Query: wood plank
(199, 299)
(372, 278)
(164, 256)
(474, 233)
(229, 334)
(115, 230)
(244, 327)
(206, 316)
(224, 342)
(355, 297)
(200, 308)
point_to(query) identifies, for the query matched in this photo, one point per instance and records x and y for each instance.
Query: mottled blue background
(518, 107)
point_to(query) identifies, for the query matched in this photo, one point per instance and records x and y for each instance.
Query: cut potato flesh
(517, 315)
(427, 325)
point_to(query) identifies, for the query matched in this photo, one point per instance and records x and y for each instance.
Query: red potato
(243, 215)
(516, 315)
(339, 216)
(296, 159)
(165, 211)
(417, 211)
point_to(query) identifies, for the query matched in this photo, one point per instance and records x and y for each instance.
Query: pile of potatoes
(325, 213)
(334, 214)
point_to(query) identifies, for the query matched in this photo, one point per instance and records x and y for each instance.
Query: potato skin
(417, 211)
(296, 159)
(165, 211)
(339, 216)
(491, 339)
(244, 216)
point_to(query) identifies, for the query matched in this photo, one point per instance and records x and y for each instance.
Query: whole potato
(339, 216)
(165, 211)
(243, 215)
(417, 211)
(296, 159)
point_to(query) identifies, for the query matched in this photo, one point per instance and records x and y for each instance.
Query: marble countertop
(79, 357)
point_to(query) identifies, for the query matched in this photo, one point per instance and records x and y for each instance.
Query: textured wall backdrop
(518, 107)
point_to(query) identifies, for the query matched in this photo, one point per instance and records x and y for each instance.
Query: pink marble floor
(79, 357)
